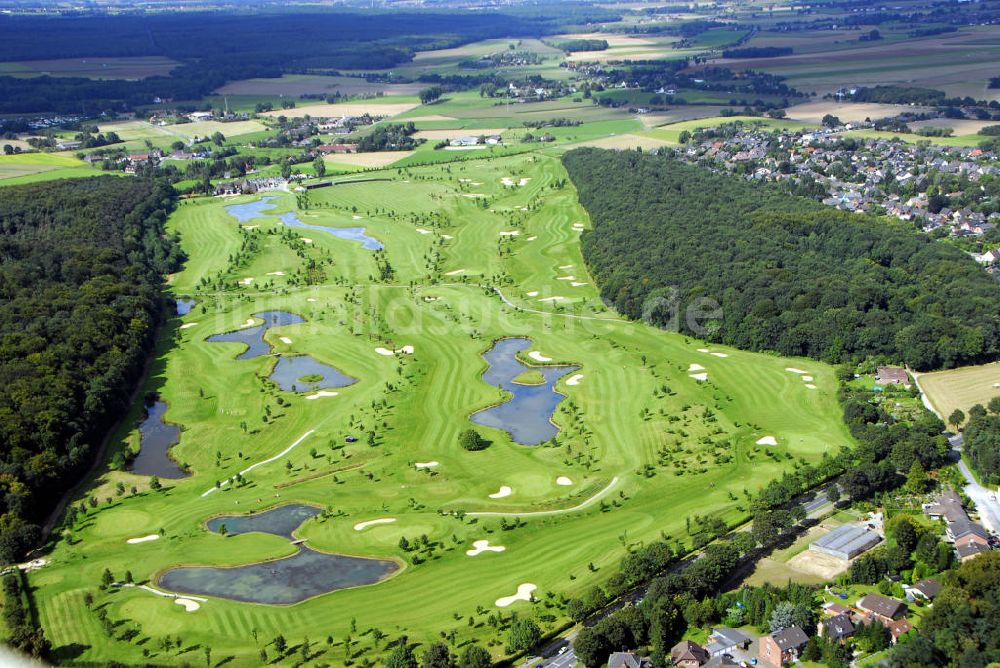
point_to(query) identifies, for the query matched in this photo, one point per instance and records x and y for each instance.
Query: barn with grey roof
(846, 542)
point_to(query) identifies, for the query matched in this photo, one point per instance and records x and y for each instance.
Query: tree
(402, 656)
(956, 418)
(994, 405)
(830, 121)
(286, 169)
(812, 651)
(437, 656)
(905, 535)
(916, 479)
(591, 648)
(107, 578)
(475, 656)
(472, 441)
(208, 655)
(280, 644)
(154, 483)
(319, 165)
(8, 149)
(218, 138)
(833, 493)
(431, 94)
(684, 137)
(523, 635)
(927, 546)
(177, 146)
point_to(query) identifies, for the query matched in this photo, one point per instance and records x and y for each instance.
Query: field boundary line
(266, 461)
(581, 506)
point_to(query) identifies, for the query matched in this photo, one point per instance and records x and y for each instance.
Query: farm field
(138, 67)
(30, 167)
(294, 85)
(479, 250)
(961, 388)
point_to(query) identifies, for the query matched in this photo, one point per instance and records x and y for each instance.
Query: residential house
(624, 660)
(970, 551)
(897, 628)
(883, 608)
(948, 507)
(337, 148)
(965, 531)
(725, 640)
(782, 646)
(926, 589)
(688, 655)
(836, 628)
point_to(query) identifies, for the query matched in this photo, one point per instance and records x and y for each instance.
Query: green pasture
(31, 167)
(643, 441)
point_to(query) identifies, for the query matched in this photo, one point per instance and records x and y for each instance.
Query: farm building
(846, 542)
(892, 375)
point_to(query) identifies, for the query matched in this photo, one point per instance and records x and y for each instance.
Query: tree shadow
(69, 652)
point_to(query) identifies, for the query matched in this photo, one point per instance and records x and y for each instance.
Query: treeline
(214, 48)
(582, 45)
(788, 274)
(80, 272)
(898, 95)
(23, 631)
(758, 52)
(982, 441)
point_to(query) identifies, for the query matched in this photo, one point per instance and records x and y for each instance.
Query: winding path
(266, 461)
(533, 513)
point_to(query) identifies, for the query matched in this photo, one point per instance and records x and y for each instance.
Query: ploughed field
(347, 414)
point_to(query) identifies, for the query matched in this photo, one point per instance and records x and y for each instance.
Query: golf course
(340, 342)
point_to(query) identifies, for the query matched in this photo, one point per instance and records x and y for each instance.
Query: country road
(984, 498)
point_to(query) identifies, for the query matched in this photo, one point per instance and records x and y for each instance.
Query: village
(943, 191)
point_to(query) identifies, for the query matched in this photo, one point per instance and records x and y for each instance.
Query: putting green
(642, 444)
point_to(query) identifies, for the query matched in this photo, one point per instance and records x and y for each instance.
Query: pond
(184, 306)
(527, 415)
(305, 574)
(289, 371)
(156, 437)
(280, 521)
(253, 337)
(249, 211)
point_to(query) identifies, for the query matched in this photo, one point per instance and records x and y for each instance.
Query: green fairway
(479, 250)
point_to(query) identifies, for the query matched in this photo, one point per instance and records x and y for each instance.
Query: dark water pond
(305, 574)
(156, 438)
(289, 370)
(253, 337)
(527, 415)
(184, 306)
(281, 521)
(249, 211)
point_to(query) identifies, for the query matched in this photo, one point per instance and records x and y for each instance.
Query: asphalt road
(984, 498)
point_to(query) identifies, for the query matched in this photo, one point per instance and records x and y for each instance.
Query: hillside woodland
(81, 264)
(789, 274)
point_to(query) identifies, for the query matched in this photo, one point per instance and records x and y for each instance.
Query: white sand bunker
(310, 299)
(810, 386)
(507, 181)
(523, 594)
(249, 323)
(455, 273)
(702, 350)
(249, 227)
(563, 481)
(524, 181)
(188, 325)
(767, 440)
(425, 465)
(361, 526)
(577, 284)
(510, 233)
(566, 278)
(808, 379)
(696, 367)
(567, 266)
(791, 369)
(321, 393)
(533, 293)
(421, 230)
(502, 492)
(275, 273)
(577, 227)
(531, 238)
(481, 546)
(285, 340)
(188, 604)
(719, 354)
(699, 376)
(246, 281)
(355, 217)
(144, 539)
(388, 353)
(473, 195)
(538, 357)
(556, 298)
(447, 236)
(306, 240)
(574, 379)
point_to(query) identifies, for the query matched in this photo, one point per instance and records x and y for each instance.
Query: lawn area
(451, 233)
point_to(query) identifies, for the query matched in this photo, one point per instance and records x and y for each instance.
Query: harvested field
(813, 112)
(380, 159)
(961, 388)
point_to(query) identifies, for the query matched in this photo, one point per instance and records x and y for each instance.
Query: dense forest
(214, 48)
(788, 274)
(80, 273)
(982, 441)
